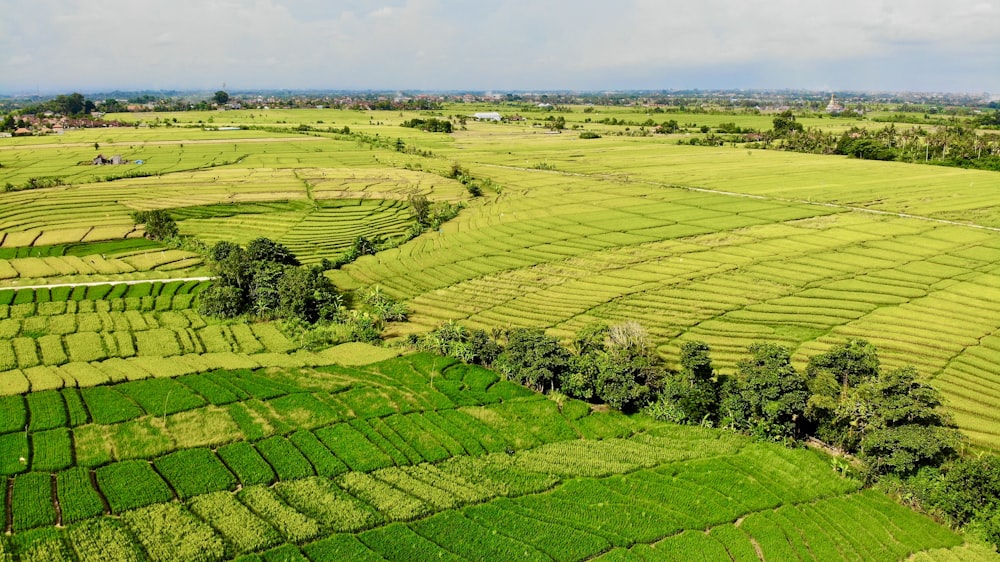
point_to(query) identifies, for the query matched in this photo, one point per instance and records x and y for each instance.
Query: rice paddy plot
(213, 440)
(804, 283)
(653, 481)
(379, 183)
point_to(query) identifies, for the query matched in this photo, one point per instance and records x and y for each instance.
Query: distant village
(37, 115)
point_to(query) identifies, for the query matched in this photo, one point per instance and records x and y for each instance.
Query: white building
(834, 107)
(487, 116)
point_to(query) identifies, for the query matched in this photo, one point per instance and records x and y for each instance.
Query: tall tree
(785, 124)
(831, 376)
(266, 250)
(896, 425)
(692, 394)
(72, 104)
(768, 396)
(629, 371)
(533, 358)
(580, 379)
(307, 294)
(159, 224)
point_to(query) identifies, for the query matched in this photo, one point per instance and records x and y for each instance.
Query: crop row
(39, 268)
(81, 374)
(346, 452)
(695, 265)
(311, 233)
(899, 284)
(107, 247)
(489, 508)
(109, 292)
(309, 423)
(152, 416)
(382, 389)
(67, 344)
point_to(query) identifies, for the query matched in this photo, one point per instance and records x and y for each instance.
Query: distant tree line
(70, 105)
(432, 125)
(888, 421)
(959, 144)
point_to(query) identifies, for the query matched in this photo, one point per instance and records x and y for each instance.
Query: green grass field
(213, 476)
(134, 428)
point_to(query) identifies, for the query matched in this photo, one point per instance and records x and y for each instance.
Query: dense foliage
(958, 144)
(890, 420)
(888, 423)
(768, 396)
(159, 224)
(265, 280)
(431, 125)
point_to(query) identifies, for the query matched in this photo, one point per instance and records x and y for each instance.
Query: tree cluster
(265, 280)
(68, 105)
(9, 123)
(431, 125)
(890, 420)
(159, 224)
(785, 124)
(990, 119)
(959, 145)
(964, 493)
(430, 215)
(461, 174)
(555, 123)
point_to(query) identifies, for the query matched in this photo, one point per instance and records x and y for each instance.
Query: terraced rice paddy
(311, 232)
(310, 176)
(89, 336)
(632, 230)
(305, 464)
(716, 244)
(134, 428)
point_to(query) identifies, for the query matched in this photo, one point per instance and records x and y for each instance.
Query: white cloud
(19, 60)
(383, 12)
(434, 44)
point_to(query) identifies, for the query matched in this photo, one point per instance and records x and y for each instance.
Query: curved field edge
(726, 270)
(887, 278)
(759, 496)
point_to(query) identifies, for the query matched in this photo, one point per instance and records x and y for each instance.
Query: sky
(57, 46)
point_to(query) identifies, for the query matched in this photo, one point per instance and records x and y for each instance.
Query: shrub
(224, 301)
(159, 224)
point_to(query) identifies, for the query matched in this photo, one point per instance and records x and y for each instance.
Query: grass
(636, 490)
(713, 244)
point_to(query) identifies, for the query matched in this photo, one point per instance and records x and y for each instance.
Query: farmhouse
(100, 160)
(487, 116)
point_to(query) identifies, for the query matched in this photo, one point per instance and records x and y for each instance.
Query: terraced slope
(606, 238)
(414, 457)
(716, 244)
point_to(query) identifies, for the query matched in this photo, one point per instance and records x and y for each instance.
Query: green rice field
(134, 428)
(309, 464)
